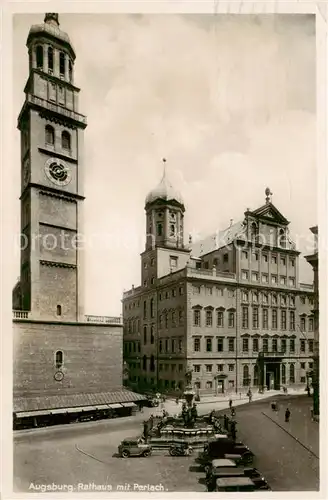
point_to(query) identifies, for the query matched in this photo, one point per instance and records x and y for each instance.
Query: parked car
(220, 472)
(134, 447)
(223, 448)
(235, 484)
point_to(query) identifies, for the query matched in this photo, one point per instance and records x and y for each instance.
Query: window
(311, 343)
(245, 296)
(311, 301)
(59, 310)
(145, 310)
(274, 345)
(282, 280)
(209, 368)
(265, 257)
(245, 255)
(265, 278)
(292, 262)
(283, 261)
(159, 229)
(196, 289)
(283, 374)
(196, 317)
(245, 345)
(209, 317)
(274, 259)
(152, 363)
(303, 366)
(292, 320)
(246, 379)
(152, 281)
(245, 317)
(255, 276)
(231, 345)
(274, 319)
(274, 300)
(152, 336)
(311, 365)
(61, 63)
(197, 368)
(220, 344)
(283, 345)
(265, 345)
(151, 308)
(231, 319)
(292, 345)
(226, 257)
(220, 368)
(50, 59)
(303, 324)
(310, 324)
(255, 256)
(302, 345)
(59, 359)
(255, 345)
(160, 346)
(209, 384)
(302, 300)
(180, 317)
(283, 320)
(253, 232)
(196, 345)
(208, 290)
(292, 282)
(292, 374)
(273, 279)
(283, 300)
(66, 140)
(39, 57)
(231, 368)
(180, 345)
(219, 318)
(166, 317)
(173, 262)
(255, 297)
(180, 290)
(244, 275)
(265, 318)
(255, 317)
(180, 368)
(208, 345)
(50, 135)
(231, 292)
(145, 334)
(292, 301)
(173, 345)
(166, 345)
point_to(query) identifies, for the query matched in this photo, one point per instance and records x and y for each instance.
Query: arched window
(292, 374)
(50, 135)
(282, 238)
(50, 59)
(256, 375)
(59, 359)
(159, 229)
(152, 363)
(253, 231)
(246, 379)
(152, 308)
(144, 362)
(59, 310)
(172, 230)
(66, 140)
(39, 56)
(61, 64)
(70, 70)
(145, 334)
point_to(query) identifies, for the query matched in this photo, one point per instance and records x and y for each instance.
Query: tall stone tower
(51, 276)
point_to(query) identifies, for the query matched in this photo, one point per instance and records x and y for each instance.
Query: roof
(218, 240)
(164, 191)
(223, 462)
(22, 404)
(50, 28)
(234, 481)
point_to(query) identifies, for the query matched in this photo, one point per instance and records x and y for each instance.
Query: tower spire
(51, 18)
(164, 168)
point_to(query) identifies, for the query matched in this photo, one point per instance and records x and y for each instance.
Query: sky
(229, 101)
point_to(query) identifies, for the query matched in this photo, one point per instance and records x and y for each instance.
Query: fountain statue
(188, 392)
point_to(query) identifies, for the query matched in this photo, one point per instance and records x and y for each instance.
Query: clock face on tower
(58, 172)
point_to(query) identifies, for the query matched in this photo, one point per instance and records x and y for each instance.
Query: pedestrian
(230, 403)
(233, 412)
(308, 390)
(287, 415)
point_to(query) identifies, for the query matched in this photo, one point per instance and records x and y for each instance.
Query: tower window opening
(159, 229)
(59, 310)
(70, 70)
(172, 230)
(50, 135)
(50, 59)
(39, 56)
(59, 359)
(62, 64)
(66, 140)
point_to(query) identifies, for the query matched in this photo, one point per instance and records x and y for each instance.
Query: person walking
(287, 415)
(230, 403)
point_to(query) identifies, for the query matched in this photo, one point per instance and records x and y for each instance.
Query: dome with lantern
(164, 191)
(51, 28)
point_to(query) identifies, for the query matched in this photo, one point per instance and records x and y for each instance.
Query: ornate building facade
(230, 307)
(62, 357)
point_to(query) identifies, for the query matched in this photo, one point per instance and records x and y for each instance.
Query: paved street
(85, 453)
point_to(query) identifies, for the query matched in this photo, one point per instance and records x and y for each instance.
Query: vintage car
(242, 483)
(224, 448)
(221, 472)
(219, 463)
(134, 447)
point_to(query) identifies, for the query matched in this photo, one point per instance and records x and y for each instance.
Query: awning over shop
(115, 405)
(27, 414)
(129, 405)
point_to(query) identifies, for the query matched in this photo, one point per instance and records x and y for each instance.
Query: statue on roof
(51, 17)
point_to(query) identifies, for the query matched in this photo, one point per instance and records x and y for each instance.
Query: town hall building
(231, 308)
(64, 360)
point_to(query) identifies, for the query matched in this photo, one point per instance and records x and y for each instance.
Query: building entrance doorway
(220, 387)
(272, 380)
